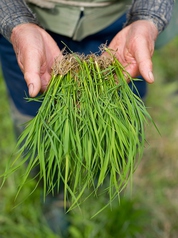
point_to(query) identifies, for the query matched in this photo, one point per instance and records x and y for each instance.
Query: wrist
(156, 25)
(20, 28)
(146, 26)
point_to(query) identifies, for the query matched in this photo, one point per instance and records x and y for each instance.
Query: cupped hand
(134, 46)
(35, 51)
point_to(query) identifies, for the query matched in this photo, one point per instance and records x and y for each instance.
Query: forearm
(13, 13)
(157, 11)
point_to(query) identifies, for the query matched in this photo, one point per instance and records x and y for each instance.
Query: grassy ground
(152, 209)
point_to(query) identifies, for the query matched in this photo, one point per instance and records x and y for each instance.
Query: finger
(32, 70)
(145, 69)
(143, 59)
(33, 83)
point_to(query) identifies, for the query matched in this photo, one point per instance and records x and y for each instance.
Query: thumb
(145, 69)
(33, 83)
(144, 61)
(31, 70)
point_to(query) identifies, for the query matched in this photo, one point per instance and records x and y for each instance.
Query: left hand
(134, 46)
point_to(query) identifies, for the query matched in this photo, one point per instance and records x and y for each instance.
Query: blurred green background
(150, 210)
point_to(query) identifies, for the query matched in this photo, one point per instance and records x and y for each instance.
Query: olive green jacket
(78, 19)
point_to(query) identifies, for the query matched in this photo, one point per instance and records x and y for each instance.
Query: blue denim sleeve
(13, 13)
(158, 11)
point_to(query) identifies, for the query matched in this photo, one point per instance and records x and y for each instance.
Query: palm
(134, 47)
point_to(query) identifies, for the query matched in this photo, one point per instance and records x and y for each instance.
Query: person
(33, 34)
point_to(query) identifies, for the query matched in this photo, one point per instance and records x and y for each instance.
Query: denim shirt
(70, 23)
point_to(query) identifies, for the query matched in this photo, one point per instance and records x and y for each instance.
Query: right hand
(35, 51)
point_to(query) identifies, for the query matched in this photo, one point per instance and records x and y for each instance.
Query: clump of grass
(89, 129)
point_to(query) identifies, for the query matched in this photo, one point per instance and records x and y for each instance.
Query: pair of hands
(36, 51)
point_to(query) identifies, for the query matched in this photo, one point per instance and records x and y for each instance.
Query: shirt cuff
(14, 13)
(159, 12)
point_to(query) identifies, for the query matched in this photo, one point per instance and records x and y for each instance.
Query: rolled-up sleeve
(13, 13)
(157, 11)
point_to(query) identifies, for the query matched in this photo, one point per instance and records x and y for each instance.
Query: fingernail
(151, 77)
(30, 89)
